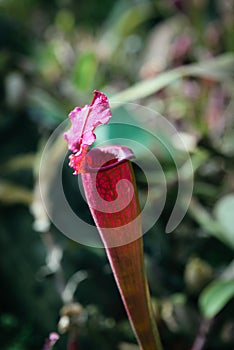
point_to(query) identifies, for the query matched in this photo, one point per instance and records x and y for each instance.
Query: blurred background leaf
(215, 297)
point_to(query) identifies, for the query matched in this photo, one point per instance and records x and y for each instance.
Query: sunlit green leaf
(224, 210)
(220, 68)
(83, 75)
(208, 223)
(215, 296)
(11, 193)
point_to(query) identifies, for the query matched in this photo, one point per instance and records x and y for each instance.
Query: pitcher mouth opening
(107, 157)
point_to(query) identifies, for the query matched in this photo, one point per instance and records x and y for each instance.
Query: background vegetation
(53, 54)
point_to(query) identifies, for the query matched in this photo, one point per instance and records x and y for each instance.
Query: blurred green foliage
(161, 54)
